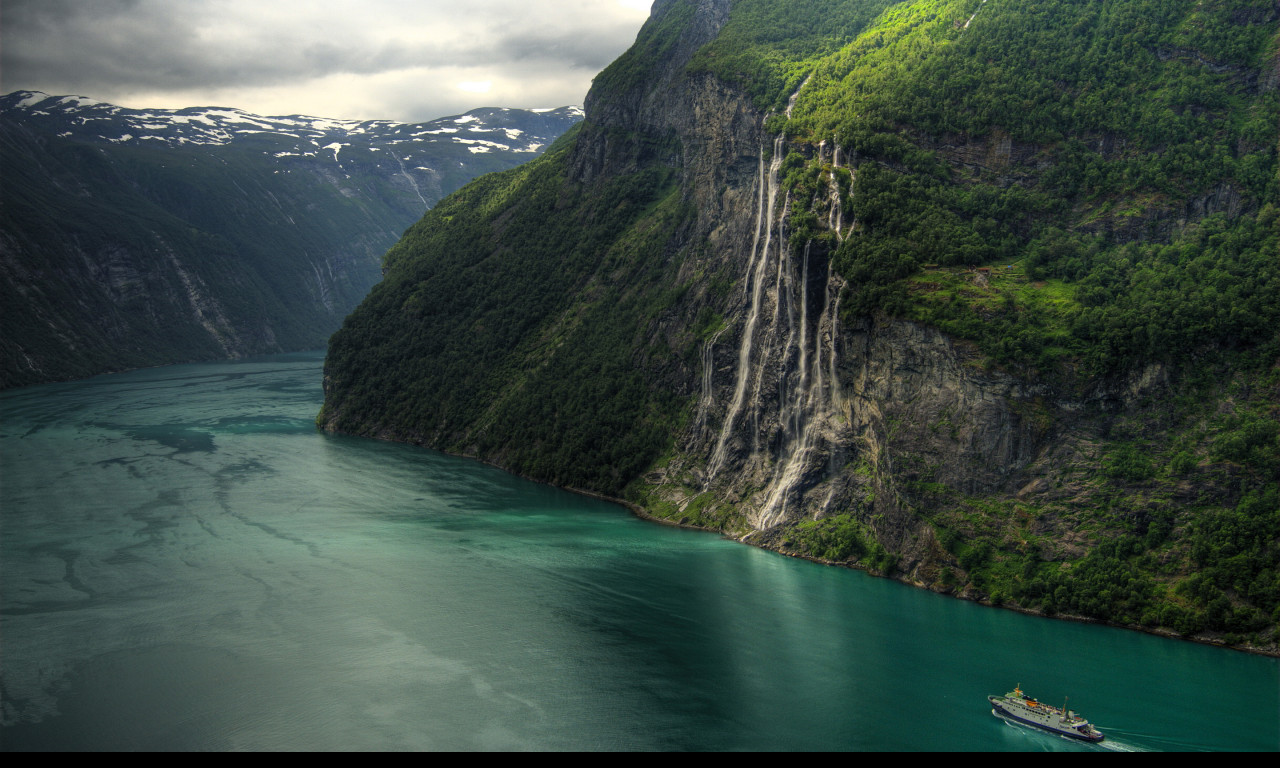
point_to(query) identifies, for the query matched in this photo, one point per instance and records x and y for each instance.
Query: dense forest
(1083, 194)
(461, 322)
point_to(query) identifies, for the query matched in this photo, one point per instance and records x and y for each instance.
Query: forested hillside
(983, 295)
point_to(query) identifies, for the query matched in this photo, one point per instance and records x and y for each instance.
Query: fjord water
(188, 564)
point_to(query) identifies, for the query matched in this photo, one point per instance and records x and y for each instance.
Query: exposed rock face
(673, 118)
(797, 415)
(787, 399)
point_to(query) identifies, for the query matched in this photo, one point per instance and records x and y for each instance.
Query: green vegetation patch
(984, 135)
(509, 323)
(839, 538)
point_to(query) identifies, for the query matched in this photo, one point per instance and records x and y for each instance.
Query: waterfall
(791, 100)
(405, 173)
(708, 370)
(835, 215)
(975, 13)
(755, 285)
(808, 414)
(781, 426)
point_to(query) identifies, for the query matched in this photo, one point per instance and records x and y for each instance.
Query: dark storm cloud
(158, 45)
(63, 39)
(107, 49)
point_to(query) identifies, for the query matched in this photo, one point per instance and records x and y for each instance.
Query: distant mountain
(143, 237)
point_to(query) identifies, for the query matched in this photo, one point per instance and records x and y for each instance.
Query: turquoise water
(185, 563)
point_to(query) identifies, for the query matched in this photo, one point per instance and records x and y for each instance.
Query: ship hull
(1069, 733)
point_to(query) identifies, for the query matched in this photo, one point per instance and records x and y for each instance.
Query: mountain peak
(87, 119)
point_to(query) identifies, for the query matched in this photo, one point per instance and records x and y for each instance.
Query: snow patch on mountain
(289, 138)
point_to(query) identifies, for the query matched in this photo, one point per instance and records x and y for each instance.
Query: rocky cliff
(722, 323)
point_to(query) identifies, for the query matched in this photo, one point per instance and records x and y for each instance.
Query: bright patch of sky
(403, 60)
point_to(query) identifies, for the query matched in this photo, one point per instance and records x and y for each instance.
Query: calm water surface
(185, 563)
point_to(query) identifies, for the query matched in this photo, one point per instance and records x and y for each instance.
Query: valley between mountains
(133, 238)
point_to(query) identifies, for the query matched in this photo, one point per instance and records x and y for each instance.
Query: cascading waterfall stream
(412, 182)
(975, 13)
(835, 215)
(781, 424)
(808, 414)
(755, 284)
(708, 371)
(782, 291)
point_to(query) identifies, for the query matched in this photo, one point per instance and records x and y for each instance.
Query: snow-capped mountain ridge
(479, 130)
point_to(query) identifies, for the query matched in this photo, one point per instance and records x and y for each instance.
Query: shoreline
(643, 514)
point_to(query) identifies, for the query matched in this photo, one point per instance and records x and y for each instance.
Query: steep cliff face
(798, 415)
(678, 306)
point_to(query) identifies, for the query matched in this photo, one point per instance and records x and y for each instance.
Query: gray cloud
(577, 50)
(121, 50)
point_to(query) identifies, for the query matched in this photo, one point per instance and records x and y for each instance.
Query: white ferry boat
(1018, 706)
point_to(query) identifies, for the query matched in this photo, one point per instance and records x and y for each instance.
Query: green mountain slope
(981, 295)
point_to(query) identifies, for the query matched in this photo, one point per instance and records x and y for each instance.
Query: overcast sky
(407, 60)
